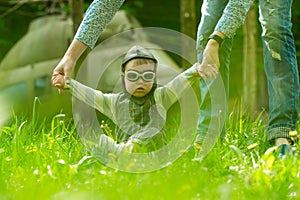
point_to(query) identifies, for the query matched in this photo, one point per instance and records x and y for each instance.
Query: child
(139, 112)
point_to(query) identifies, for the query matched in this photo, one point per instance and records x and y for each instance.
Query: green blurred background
(14, 22)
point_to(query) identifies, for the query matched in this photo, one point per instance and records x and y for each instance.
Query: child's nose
(140, 80)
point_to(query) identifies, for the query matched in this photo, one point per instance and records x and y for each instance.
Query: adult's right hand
(67, 63)
(64, 68)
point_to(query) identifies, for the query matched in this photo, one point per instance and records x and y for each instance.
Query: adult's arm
(232, 18)
(98, 15)
(68, 62)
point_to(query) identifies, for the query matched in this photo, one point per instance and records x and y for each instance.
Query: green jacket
(137, 119)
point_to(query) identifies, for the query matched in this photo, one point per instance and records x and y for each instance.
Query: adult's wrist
(70, 58)
(216, 39)
(75, 50)
(213, 44)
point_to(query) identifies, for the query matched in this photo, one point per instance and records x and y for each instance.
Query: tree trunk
(250, 61)
(188, 27)
(76, 10)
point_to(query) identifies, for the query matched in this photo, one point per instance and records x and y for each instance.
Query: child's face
(139, 76)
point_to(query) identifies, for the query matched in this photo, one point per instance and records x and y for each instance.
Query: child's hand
(207, 71)
(58, 80)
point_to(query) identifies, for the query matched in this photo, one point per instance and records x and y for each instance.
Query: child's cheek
(129, 87)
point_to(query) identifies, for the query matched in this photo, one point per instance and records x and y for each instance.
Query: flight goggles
(147, 76)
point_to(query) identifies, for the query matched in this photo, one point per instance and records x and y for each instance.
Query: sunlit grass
(46, 160)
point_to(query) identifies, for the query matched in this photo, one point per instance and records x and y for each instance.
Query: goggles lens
(147, 76)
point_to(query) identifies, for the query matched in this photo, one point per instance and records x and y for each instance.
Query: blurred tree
(250, 92)
(188, 17)
(188, 26)
(76, 11)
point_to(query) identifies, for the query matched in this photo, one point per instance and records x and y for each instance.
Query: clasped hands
(62, 74)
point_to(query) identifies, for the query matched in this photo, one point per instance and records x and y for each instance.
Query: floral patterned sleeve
(99, 13)
(233, 16)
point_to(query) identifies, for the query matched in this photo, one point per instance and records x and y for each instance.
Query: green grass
(42, 160)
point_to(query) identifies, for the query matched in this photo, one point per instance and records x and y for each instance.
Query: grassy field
(46, 160)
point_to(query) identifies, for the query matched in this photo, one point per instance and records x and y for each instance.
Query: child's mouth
(140, 89)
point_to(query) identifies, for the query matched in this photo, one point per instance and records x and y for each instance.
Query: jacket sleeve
(233, 16)
(97, 16)
(172, 91)
(104, 103)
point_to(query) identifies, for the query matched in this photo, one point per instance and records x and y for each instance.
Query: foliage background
(15, 24)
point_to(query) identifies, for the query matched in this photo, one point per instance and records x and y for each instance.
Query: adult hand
(207, 71)
(62, 73)
(67, 64)
(210, 63)
(58, 81)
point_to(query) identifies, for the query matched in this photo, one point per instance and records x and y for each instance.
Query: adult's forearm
(69, 60)
(75, 50)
